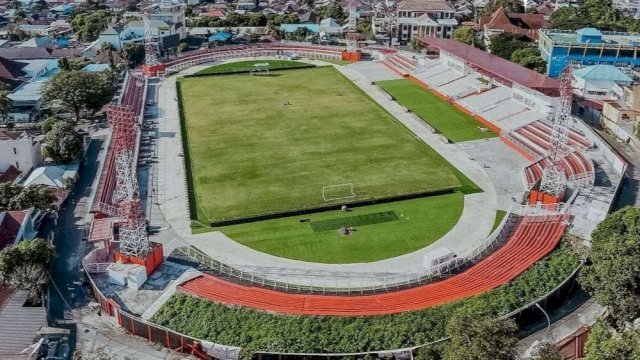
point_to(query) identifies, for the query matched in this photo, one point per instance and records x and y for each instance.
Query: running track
(532, 239)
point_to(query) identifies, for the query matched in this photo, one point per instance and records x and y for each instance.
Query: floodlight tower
(134, 240)
(151, 41)
(554, 180)
(352, 36)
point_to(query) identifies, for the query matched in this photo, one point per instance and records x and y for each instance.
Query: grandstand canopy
(496, 66)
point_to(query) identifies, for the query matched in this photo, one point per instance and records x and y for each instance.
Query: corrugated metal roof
(19, 324)
(602, 72)
(497, 66)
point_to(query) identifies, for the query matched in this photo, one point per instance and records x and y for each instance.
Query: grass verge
(239, 67)
(419, 223)
(454, 124)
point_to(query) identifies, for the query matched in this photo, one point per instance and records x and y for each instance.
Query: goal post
(260, 68)
(338, 192)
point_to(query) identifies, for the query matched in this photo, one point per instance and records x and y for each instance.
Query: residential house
(20, 150)
(18, 225)
(54, 177)
(600, 82)
(515, 23)
(11, 72)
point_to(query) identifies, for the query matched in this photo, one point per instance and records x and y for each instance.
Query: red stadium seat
(533, 238)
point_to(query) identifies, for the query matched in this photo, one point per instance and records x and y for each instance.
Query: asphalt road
(66, 273)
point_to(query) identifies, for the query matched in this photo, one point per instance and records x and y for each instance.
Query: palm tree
(5, 104)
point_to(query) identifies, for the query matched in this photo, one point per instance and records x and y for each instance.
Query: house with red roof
(515, 23)
(11, 72)
(17, 225)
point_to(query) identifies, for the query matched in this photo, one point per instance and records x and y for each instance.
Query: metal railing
(96, 268)
(356, 283)
(201, 57)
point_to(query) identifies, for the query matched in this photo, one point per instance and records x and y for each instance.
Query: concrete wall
(23, 153)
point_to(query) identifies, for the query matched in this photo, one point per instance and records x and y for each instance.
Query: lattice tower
(134, 240)
(147, 7)
(352, 34)
(554, 180)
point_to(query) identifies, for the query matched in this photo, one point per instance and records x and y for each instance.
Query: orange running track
(531, 240)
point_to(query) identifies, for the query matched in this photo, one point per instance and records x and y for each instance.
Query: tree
(63, 64)
(62, 143)
(566, 18)
(18, 197)
(604, 343)
(465, 34)
(600, 14)
(79, 90)
(36, 195)
(530, 58)
(88, 26)
(505, 44)
(134, 54)
(480, 337)
(47, 124)
(416, 44)
(182, 47)
(612, 273)
(5, 104)
(24, 266)
(514, 6)
(546, 351)
(333, 10)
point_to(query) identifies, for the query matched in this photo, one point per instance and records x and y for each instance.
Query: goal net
(338, 192)
(261, 68)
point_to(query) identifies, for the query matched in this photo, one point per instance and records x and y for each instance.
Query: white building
(20, 150)
(428, 18)
(600, 82)
(167, 22)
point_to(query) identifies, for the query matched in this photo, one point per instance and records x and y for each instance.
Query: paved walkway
(473, 227)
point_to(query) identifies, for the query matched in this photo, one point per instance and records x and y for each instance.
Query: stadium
(319, 206)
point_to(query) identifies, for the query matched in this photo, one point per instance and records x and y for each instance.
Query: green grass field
(454, 124)
(247, 66)
(263, 144)
(417, 223)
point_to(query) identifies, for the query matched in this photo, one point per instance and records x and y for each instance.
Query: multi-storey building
(425, 18)
(588, 46)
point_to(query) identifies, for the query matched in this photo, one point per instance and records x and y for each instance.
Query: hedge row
(254, 330)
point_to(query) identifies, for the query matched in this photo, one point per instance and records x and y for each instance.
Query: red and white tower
(134, 240)
(151, 66)
(554, 181)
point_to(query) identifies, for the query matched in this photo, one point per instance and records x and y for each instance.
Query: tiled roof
(10, 223)
(424, 5)
(10, 174)
(25, 53)
(11, 70)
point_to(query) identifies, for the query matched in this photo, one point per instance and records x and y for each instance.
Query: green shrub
(254, 330)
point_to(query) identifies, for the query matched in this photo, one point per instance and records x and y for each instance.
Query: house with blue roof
(291, 28)
(220, 37)
(588, 46)
(63, 9)
(600, 82)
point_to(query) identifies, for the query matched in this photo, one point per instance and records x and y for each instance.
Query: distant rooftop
(96, 68)
(495, 66)
(602, 72)
(566, 37)
(424, 5)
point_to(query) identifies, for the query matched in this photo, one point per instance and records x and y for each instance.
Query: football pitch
(454, 124)
(266, 144)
